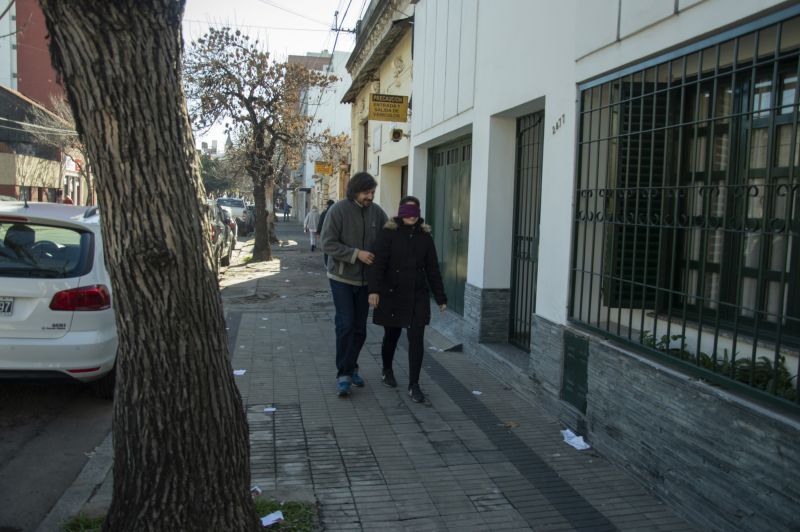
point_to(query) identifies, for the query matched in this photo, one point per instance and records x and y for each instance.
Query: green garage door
(448, 213)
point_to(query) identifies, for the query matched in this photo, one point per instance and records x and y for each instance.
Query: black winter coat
(405, 268)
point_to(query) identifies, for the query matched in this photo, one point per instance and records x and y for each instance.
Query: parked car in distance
(56, 315)
(231, 235)
(218, 233)
(237, 207)
(250, 218)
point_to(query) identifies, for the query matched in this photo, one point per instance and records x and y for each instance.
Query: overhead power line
(295, 13)
(271, 28)
(44, 129)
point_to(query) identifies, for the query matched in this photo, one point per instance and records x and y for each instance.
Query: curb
(86, 484)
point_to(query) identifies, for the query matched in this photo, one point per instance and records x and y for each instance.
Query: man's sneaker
(343, 386)
(358, 380)
(388, 378)
(416, 394)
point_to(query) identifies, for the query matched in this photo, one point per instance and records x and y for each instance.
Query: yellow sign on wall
(323, 168)
(388, 107)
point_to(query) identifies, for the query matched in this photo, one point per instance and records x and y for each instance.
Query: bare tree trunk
(261, 247)
(272, 218)
(181, 456)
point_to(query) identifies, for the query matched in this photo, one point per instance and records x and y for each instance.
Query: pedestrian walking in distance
(310, 226)
(348, 234)
(403, 274)
(319, 229)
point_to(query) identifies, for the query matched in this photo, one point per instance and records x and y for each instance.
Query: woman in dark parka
(404, 270)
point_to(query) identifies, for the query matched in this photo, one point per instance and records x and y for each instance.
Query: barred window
(687, 218)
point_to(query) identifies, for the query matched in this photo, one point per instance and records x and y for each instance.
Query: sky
(284, 26)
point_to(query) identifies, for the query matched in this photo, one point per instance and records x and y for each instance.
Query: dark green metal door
(525, 251)
(448, 213)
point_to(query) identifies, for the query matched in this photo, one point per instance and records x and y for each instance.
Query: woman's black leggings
(416, 350)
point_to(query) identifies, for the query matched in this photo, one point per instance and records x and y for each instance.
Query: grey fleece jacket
(347, 229)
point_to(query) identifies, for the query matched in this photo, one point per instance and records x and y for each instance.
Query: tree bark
(181, 456)
(261, 248)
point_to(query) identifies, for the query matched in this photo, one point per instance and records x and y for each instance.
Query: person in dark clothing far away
(348, 234)
(319, 228)
(405, 269)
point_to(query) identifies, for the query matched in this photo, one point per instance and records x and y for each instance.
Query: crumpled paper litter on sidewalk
(575, 440)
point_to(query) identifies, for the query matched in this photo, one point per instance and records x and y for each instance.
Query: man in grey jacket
(348, 233)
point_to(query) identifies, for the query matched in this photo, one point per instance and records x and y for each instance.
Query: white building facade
(328, 111)
(614, 191)
(8, 49)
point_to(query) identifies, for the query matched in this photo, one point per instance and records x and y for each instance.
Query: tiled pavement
(378, 461)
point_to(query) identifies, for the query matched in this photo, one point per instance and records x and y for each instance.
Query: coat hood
(394, 223)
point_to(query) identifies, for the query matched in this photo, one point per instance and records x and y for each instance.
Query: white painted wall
(647, 32)
(444, 61)
(8, 52)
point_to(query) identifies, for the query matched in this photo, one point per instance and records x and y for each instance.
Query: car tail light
(213, 232)
(96, 297)
(82, 370)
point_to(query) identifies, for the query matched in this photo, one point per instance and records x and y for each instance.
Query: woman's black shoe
(388, 378)
(416, 394)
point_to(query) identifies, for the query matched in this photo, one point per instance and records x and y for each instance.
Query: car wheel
(104, 386)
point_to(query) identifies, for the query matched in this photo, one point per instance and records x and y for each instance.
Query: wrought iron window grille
(687, 211)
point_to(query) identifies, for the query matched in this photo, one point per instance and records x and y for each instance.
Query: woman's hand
(374, 299)
(442, 307)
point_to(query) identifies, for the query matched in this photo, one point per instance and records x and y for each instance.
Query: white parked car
(237, 207)
(56, 319)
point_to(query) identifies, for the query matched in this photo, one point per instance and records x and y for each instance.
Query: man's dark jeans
(352, 310)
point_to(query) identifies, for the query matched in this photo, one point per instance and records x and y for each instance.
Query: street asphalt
(475, 456)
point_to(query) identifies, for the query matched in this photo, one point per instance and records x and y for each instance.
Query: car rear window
(231, 202)
(36, 250)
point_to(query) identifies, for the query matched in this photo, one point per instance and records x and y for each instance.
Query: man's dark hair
(361, 182)
(410, 199)
(329, 202)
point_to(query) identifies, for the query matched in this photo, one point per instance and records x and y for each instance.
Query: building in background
(26, 69)
(614, 191)
(25, 54)
(317, 179)
(29, 169)
(380, 95)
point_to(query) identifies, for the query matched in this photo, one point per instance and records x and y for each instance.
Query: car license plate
(6, 306)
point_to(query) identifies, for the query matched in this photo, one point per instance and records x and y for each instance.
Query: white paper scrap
(255, 490)
(575, 440)
(435, 349)
(270, 409)
(239, 371)
(283, 330)
(477, 392)
(264, 319)
(271, 519)
(287, 281)
(283, 297)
